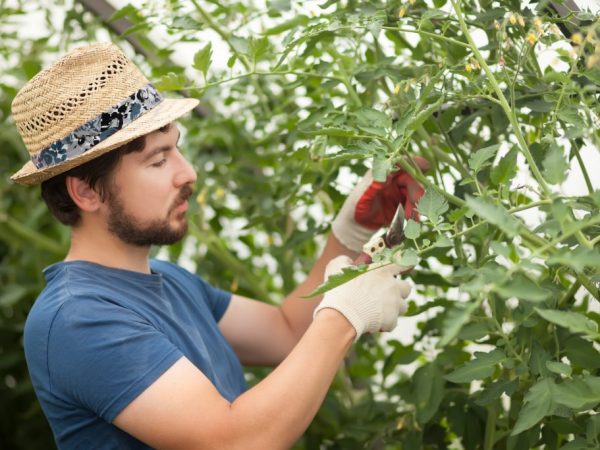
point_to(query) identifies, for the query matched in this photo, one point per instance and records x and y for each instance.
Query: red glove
(377, 206)
(372, 205)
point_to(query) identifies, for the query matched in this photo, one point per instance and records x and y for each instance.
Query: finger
(405, 288)
(337, 264)
(390, 316)
(402, 307)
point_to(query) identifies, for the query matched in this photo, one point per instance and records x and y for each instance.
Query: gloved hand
(372, 204)
(372, 301)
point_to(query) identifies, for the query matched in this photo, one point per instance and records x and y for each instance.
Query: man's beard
(157, 232)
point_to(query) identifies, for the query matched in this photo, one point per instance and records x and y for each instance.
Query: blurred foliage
(506, 352)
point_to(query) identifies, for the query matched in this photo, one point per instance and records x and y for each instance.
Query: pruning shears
(390, 238)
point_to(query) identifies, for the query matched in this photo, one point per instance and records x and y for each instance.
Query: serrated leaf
(412, 230)
(536, 404)
(582, 353)
(522, 288)
(335, 280)
(432, 205)
(480, 158)
(506, 168)
(381, 168)
(495, 214)
(573, 321)
(442, 241)
(493, 391)
(580, 393)
(578, 259)
(406, 258)
(555, 165)
(479, 368)
(559, 368)
(454, 320)
(202, 58)
(373, 121)
(171, 82)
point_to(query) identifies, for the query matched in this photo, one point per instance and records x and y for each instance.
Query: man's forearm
(282, 405)
(297, 310)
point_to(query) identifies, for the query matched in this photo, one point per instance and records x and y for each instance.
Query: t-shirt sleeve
(103, 356)
(218, 300)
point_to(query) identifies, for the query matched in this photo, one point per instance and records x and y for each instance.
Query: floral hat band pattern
(99, 128)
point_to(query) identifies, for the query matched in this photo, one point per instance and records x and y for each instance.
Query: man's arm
(183, 410)
(262, 334)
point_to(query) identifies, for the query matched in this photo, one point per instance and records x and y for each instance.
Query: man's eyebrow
(155, 151)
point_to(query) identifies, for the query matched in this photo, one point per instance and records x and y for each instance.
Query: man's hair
(97, 173)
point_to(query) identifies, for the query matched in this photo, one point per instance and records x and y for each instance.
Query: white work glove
(372, 301)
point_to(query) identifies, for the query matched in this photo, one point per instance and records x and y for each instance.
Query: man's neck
(102, 247)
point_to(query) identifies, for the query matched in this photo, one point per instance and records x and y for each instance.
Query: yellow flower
(521, 20)
(531, 38)
(475, 64)
(397, 88)
(577, 38)
(412, 2)
(201, 199)
(401, 12)
(468, 67)
(512, 19)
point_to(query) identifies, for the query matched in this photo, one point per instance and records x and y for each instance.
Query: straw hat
(89, 102)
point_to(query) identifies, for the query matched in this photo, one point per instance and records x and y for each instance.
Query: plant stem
(490, 428)
(510, 114)
(586, 176)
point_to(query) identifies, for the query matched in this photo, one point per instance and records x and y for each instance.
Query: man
(125, 352)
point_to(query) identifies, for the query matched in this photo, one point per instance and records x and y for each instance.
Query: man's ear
(83, 195)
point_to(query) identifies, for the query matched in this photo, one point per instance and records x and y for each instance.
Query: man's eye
(160, 163)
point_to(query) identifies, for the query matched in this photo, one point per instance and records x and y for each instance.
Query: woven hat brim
(165, 112)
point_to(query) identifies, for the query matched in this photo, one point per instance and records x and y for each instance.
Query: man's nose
(186, 173)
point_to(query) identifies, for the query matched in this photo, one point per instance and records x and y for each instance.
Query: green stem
(510, 114)
(208, 237)
(32, 237)
(226, 36)
(586, 176)
(490, 428)
(428, 34)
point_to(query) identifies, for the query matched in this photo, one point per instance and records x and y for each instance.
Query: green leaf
(578, 394)
(443, 241)
(495, 214)
(555, 165)
(373, 121)
(335, 280)
(432, 205)
(506, 168)
(536, 404)
(559, 368)
(573, 321)
(429, 388)
(171, 82)
(381, 167)
(202, 59)
(480, 158)
(412, 229)
(578, 259)
(479, 368)
(581, 353)
(406, 258)
(522, 288)
(493, 391)
(456, 317)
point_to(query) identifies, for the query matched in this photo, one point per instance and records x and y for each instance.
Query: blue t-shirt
(97, 337)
